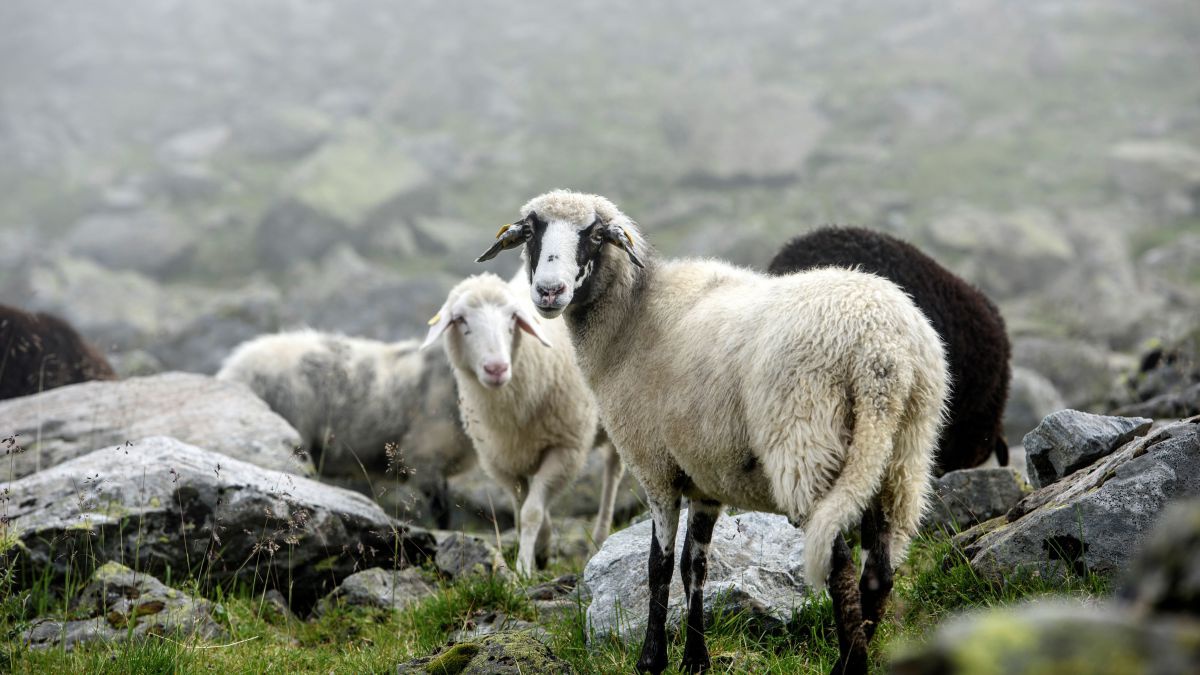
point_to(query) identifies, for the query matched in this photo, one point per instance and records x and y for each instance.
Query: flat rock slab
(755, 563)
(166, 504)
(380, 589)
(1052, 637)
(122, 605)
(1069, 440)
(504, 653)
(224, 417)
(1095, 519)
(966, 497)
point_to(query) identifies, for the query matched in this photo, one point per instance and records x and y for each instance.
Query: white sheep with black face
(818, 395)
(523, 403)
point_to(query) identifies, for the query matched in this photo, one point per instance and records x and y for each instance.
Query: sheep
(352, 398)
(970, 325)
(817, 395)
(527, 408)
(41, 351)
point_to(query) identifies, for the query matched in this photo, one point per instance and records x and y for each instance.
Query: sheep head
(564, 234)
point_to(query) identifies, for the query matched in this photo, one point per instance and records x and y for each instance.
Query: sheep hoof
(695, 663)
(653, 661)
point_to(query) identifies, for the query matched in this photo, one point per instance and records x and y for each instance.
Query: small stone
(380, 589)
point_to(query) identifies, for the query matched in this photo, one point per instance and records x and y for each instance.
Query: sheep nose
(551, 292)
(495, 369)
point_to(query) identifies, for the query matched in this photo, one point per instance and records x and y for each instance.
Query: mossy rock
(499, 653)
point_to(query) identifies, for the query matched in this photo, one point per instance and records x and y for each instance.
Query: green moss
(454, 660)
(326, 564)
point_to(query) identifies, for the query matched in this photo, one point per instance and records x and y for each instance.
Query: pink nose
(495, 369)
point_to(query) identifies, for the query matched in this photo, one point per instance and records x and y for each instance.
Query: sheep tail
(867, 460)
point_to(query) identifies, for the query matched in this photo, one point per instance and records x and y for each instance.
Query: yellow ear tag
(503, 230)
(627, 238)
(436, 318)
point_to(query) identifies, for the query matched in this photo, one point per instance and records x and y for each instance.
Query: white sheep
(350, 398)
(817, 395)
(526, 407)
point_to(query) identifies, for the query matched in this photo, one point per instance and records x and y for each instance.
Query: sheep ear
(509, 236)
(438, 325)
(619, 236)
(530, 325)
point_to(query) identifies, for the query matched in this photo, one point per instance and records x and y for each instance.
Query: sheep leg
(665, 513)
(614, 470)
(552, 475)
(847, 611)
(693, 568)
(876, 583)
(541, 553)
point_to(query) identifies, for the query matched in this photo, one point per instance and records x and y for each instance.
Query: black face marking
(535, 227)
(750, 464)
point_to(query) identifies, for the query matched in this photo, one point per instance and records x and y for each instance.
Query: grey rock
(166, 504)
(1096, 518)
(1030, 398)
(201, 343)
(1083, 373)
(571, 541)
(460, 554)
(492, 622)
(121, 605)
(1069, 440)
(1170, 405)
(291, 232)
(225, 417)
(559, 598)
(1165, 576)
(346, 293)
(194, 145)
(151, 242)
(502, 653)
(966, 497)
(1055, 637)
(755, 564)
(380, 589)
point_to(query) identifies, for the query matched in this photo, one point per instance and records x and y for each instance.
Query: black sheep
(41, 351)
(977, 346)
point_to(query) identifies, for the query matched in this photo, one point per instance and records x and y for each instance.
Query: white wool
(533, 434)
(350, 397)
(807, 395)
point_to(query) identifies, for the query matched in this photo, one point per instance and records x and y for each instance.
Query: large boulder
(1069, 440)
(966, 497)
(1094, 519)
(1055, 638)
(378, 588)
(755, 564)
(120, 605)
(166, 505)
(504, 653)
(224, 417)
(151, 242)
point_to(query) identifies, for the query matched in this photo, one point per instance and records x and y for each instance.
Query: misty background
(177, 177)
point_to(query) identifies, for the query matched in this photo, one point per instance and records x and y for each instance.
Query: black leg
(662, 562)
(876, 583)
(847, 611)
(693, 568)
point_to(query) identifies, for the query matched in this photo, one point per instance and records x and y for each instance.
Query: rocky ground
(180, 177)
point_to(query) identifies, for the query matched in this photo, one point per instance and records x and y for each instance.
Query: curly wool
(972, 328)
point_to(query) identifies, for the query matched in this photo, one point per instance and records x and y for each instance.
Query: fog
(179, 176)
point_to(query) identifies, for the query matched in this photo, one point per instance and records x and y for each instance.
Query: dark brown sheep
(976, 343)
(41, 351)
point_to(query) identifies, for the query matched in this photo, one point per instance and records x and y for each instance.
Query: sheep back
(977, 345)
(41, 351)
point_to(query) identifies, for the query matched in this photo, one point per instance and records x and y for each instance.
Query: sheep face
(564, 234)
(481, 323)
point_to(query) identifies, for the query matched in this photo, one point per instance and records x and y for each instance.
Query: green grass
(936, 583)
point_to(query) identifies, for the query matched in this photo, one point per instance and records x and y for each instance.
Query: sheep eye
(597, 234)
